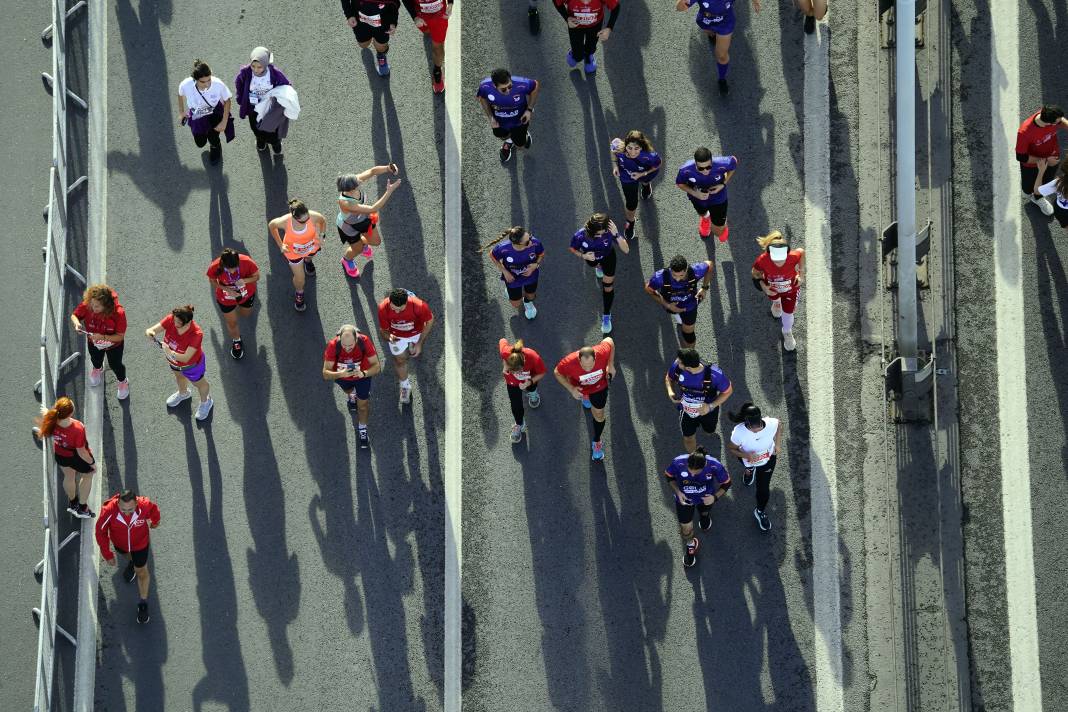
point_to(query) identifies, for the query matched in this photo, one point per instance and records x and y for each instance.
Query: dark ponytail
(183, 313)
(747, 413)
(696, 460)
(512, 234)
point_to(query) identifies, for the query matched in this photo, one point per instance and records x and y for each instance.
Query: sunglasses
(704, 169)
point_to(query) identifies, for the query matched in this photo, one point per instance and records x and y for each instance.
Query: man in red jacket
(123, 523)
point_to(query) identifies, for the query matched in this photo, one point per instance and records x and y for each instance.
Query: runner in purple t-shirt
(518, 256)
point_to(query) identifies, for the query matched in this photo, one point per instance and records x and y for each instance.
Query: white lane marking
(1012, 386)
(819, 359)
(96, 272)
(453, 411)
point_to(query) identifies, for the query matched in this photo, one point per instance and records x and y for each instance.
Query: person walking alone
(778, 272)
(71, 451)
(586, 374)
(299, 237)
(103, 321)
(508, 102)
(183, 346)
(756, 441)
(124, 523)
(234, 277)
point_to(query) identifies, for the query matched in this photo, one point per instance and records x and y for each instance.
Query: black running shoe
(810, 24)
(691, 553)
(142, 612)
(534, 19)
(647, 191)
(762, 520)
(84, 512)
(73, 507)
(705, 522)
(309, 268)
(628, 230)
(506, 151)
(129, 574)
(365, 443)
(237, 350)
(352, 404)
(261, 145)
(748, 476)
(724, 87)
(529, 140)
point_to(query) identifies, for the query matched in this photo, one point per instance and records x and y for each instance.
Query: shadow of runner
(225, 681)
(273, 571)
(152, 102)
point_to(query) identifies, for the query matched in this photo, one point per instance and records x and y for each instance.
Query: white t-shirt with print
(259, 86)
(213, 94)
(761, 443)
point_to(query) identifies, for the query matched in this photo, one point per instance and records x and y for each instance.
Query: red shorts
(436, 27)
(788, 299)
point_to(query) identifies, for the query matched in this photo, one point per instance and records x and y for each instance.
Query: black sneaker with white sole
(646, 191)
(506, 151)
(705, 522)
(142, 612)
(365, 442)
(762, 520)
(309, 268)
(690, 557)
(237, 349)
(748, 476)
(84, 512)
(128, 573)
(529, 140)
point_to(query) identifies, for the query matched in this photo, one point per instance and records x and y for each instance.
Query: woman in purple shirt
(518, 256)
(251, 85)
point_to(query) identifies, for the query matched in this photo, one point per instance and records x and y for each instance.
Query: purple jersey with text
(600, 245)
(517, 259)
(704, 483)
(682, 294)
(646, 160)
(507, 108)
(715, 15)
(690, 176)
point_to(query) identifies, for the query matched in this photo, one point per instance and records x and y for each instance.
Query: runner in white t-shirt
(756, 441)
(204, 104)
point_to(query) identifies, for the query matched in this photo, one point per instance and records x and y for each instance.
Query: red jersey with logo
(532, 365)
(407, 322)
(1035, 140)
(360, 354)
(780, 279)
(245, 269)
(592, 381)
(427, 9)
(113, 323)
(128, 532)
(180, 342)
(587, 13)
(66, 440)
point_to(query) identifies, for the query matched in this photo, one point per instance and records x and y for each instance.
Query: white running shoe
(517, 432)
(123, 390)
(776, 308)
(677, 318)
(95, 376)
(204, 409)
(177, 397)
(529, 310)
(405, 395)
(788, 341)
(1043, 205)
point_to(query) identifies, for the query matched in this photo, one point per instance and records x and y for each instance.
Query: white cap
(778, 252)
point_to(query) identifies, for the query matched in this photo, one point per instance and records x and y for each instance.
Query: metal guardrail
(53, 362)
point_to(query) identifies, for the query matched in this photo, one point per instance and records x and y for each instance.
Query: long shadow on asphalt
(130, 650)
(226, 680)
(151, 103)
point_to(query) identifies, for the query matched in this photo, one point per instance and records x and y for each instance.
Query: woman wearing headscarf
(251, 86)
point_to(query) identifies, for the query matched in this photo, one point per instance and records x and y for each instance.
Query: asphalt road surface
(291, 570)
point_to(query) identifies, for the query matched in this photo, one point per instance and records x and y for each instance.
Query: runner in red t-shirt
(404, 321)
(350, 360)
(234, 277)
(522, 370)
(103, 321)
(584, 19)
(778, 272)
(585, 374)
(71, 451)
(182, 339)
(1038, 152)
(432, 18)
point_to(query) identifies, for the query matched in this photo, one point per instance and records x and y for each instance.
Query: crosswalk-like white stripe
(1012, 381)
(819, 358)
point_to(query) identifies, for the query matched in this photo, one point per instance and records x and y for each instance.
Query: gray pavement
(23, 192)
(291, 570)
(575, 568)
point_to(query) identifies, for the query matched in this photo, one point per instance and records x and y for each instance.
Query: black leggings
(114, 356)
(515, 398)
(583, 42)
(270, 137)
(763, 482)
(211, 137)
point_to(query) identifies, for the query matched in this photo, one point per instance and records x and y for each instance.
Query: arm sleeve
(347, 7)
(561, 8)
(1023, 146)
(613, 16)
(152, 511)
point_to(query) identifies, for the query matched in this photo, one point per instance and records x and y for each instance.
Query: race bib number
(759, 458)
(585, 18)
(103, 345)
(588, 379)
(302, 248)
(691, 407)
(521, 376)
(782, 285)
(429, 8)
(404, 326)
(372, 20)
(201, 111)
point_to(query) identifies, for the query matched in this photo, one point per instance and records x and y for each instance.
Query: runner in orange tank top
(303, 230)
